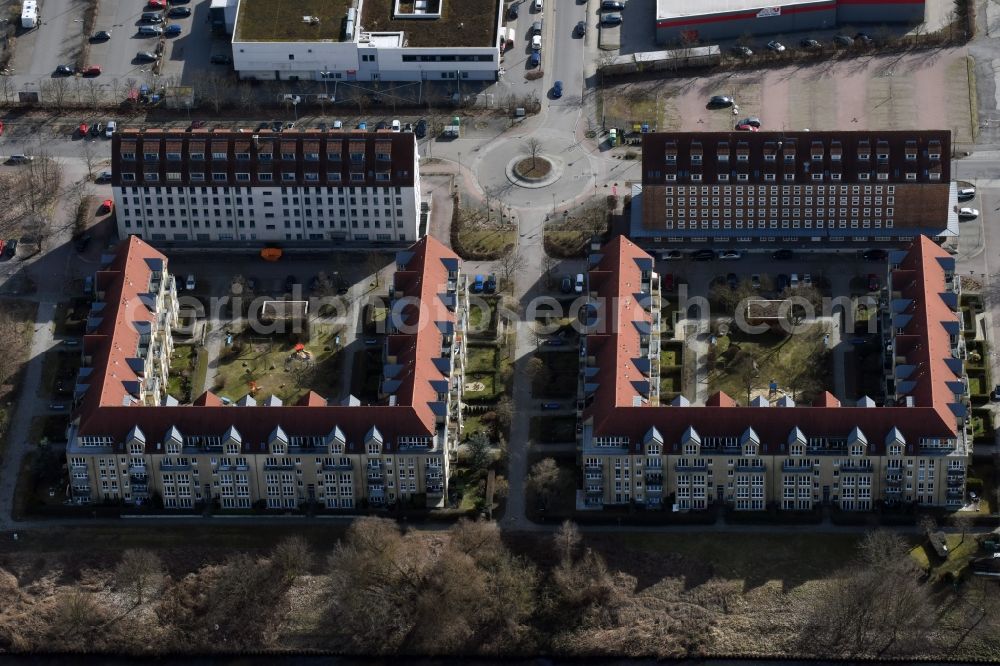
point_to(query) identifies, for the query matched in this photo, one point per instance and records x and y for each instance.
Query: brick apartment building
(635, 450)
(129, 442)
(307, 186)
(794, 188)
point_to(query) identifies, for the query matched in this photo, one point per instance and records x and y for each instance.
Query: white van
(538, 5)
(109, 131)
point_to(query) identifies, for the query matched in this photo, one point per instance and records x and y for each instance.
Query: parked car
(150, 30)
(19, 158)
(732, 280)
(612, 6)
(808, 43)
(103, 177)
(793, 281)
(534, 59)
(967, 213)
(101, 36)
(776, 46)
(536, 42)
(172, 30)
(512, 12)
(843, 40)
(557, 88)
(220, 59)
(146, 56)
(478, 284)
(156, 4)
(551, 405)
(703, 255)
(746, 128)
(381, 125)
(362, 125)
(864, 39)
(420, 129)
(872, 282)
(875, 255)
(110, 130)
(578, 284)
(566, 286)
(755, 281)
(807, 280)
(741, 51)
(189, 284)
(537, 5)
(966, 192)
(97, 129)
(92, 70)
(753, 121)
(730, 254)
(82, 129)
(58, 406)
(783, 254)
(65, 70)
(581, 29)
(995, 393)
(490, 286)
(720, 102)
(179, 12)
(611, 19)
(151, 17)
(671, 255)
(536, 28)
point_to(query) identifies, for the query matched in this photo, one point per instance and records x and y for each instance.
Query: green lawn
(487, 380)
(275, 369)
(959, 554)
(483, 243)
(473, 424)
(181, 372)
(58, 365)
(668, 358)
(481, 359)
(798, 363)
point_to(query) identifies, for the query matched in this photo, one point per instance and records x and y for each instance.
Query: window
(288, 176)
(219, 176)
(198, 157)
(265, 177)
(243, 176)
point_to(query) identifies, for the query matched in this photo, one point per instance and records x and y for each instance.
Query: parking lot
(925, 89)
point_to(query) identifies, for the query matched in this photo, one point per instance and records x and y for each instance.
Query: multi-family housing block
(130, 442)
(795, 188)
(634, 450)
(223, 185)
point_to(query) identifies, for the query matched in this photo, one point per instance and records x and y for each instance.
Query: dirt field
(920, 90)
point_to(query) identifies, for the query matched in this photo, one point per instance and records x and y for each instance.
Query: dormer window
(374, 448)
(232, 448)
(173, 448)
(696, 158)
(857, 450)
(671, 157)
(690, 449)
(750, 449)
(797, 450)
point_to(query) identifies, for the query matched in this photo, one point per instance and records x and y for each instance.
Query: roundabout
(534, 172)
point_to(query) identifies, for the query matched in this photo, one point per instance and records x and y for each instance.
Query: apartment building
(794, 188)
(344, 41)
(634, 450)
(231, 186)
(130, 442)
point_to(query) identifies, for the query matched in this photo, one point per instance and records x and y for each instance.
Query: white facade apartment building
(221, 185)
(367, 40)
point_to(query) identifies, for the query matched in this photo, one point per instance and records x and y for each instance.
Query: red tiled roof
(925, 342)
(425, 278)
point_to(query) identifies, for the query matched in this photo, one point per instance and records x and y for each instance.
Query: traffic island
(534, 171)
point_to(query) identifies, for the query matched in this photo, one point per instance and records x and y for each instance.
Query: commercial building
(221, 185)
(678, 21)
(635, 450)
(130, 442)
(367, 40)
(795, 188)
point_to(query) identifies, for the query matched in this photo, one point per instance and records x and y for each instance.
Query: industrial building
(367, 40)
(680, 21)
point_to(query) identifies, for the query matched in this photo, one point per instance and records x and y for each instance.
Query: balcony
(955, 492)
(336, 467)
(758, 466)
(164, 467)
(856, 468)
(690, 468)
(796, 467)
(654, 488)
(890, 490)
(140, 487)
(957, 473)
(280, 466)
(437, 489)
(954, 481)
(376, 490)
(78, 466)
(432, 475)
(377, 477)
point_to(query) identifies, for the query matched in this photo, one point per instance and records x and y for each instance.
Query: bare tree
(511, 262)
(746, 370)
(963, 521)
(567, 539)
(291, 558)
(138, 572)
(543, 480)
(534, 147)
(89, 158)
(505, 412)
(375, 262)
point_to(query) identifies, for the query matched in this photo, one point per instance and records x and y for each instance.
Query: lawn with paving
(557, 379)
(276, 367)
(798, 363)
